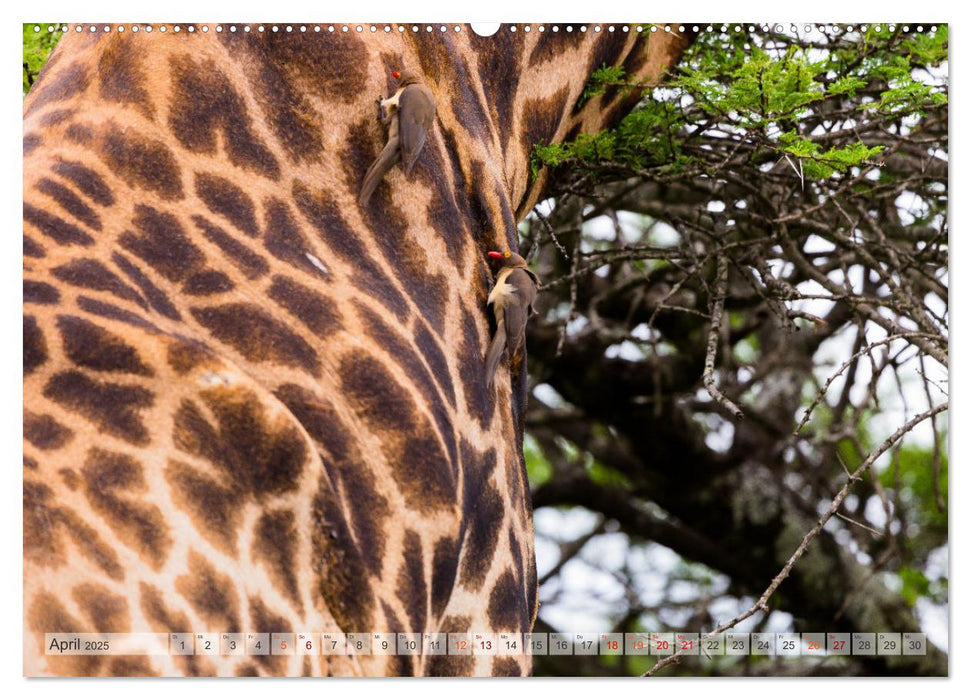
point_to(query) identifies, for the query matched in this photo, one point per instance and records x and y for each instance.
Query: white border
(617, 11)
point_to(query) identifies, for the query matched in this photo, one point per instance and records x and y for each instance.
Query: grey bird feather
(512, 299)
(408, 114)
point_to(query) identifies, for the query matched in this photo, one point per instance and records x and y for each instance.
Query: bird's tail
(379, 168)
(495, 354)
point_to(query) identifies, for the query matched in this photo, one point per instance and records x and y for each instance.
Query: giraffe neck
(251, 404)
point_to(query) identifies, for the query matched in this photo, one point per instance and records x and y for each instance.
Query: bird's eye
(396, 75)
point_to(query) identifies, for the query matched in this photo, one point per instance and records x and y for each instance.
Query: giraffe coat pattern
(249, 403)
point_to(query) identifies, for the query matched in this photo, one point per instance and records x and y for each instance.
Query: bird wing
(416, 113)
(515, 312)
(379, 168)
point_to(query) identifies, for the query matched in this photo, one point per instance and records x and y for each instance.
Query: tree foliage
(745, 295)
(38, 45)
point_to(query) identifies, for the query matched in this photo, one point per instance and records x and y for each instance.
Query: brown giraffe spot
(88, 181)
(213, 506)
(55, 228)
(99, 308)
(484, 509)
(265, 620)
(80, 133)
(253, 456)
(35, 346)
(479, 210)
(445, 561)
(286, 69)
(317, 312)
(114, 408)
(32, 249)
(516, 553)
(503, 666)
(345, 584)
(399, 666)
(44, 432)
(162, 243)
(249, 263)
(120, 75)
(499, 58)
(91, 346)
(284, 239)
(607, 50)
(333, 70)
(531, 588)
(70, 202)
(91, 274)
(40, 293)
(184, 356)
(30, 462)
(275, 545)
(366, 508)
(418, 465)
(130, 666)
(443, 212)
(157, 299)
(541, 118)
(71, 478)
(395, 345)
(246, 670)
(210, 593)
(206, 283)
(64, 85)
(225, 199)
(553, 44)
(257, 336)
(205, 103)
(162, 619)
(140, 161)
(47, 526)
(390, 230)
(324, 215)
(115, 486)
(479, 400)
(432, 352)
(452, 665)
(436, 57)
(31, 142)
(105, 611)
(411, 587)
(46, 614)
(507, 605)
(57, 116)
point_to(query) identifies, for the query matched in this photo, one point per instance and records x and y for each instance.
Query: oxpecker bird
(408, 114)
(512, 300)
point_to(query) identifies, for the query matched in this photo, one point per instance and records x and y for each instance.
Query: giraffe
(249, 403)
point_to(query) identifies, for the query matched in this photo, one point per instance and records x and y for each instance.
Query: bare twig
(717, 308)
(762, 602)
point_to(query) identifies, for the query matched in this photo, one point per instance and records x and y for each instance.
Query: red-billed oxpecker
(512, 300)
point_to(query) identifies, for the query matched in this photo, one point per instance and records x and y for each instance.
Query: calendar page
(604, 349)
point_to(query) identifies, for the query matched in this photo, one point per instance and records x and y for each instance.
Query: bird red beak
(494, 254)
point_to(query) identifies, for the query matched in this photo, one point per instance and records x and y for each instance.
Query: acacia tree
(742, 343)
